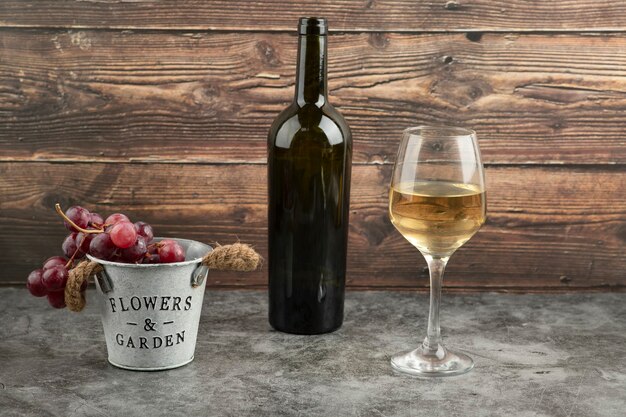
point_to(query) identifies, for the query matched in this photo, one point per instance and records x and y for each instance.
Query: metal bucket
(150, 313)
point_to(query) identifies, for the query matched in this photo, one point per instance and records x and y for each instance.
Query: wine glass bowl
(437, 217)
(437, 202)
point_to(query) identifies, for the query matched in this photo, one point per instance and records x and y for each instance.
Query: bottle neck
(311, 73)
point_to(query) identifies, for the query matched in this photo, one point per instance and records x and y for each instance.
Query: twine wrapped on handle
(74, 297)
(235, 257)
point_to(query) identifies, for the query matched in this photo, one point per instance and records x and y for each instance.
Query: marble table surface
(536, 355)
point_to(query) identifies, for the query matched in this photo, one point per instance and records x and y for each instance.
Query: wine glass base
(423, 362)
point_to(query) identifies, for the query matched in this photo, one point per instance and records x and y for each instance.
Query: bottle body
(309, 163)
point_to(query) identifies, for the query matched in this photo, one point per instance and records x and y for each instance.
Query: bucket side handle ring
(104, 281)
(199, 275)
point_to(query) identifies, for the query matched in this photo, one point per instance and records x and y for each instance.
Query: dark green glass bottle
(309, 162)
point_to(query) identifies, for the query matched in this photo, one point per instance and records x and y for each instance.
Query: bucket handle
(235, 257)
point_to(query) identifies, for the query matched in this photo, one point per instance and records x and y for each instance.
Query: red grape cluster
(115, 239)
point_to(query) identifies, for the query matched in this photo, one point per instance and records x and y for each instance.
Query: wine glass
(437, 202)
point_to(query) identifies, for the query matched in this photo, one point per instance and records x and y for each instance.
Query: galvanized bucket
(150, 313)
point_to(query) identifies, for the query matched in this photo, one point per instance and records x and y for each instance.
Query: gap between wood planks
(147, 29)
(473, 32)
(609, 165)
(421, 289)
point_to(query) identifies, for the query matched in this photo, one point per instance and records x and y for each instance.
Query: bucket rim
(187, 242)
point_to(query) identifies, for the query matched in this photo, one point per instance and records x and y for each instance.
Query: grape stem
(57, 207)
(71, 260)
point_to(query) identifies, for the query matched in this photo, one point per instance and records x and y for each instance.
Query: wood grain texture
(344, 15)
(210, 97)
(548, 227)
(161, 109)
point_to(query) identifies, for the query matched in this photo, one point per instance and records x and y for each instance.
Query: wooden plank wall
(161, 109)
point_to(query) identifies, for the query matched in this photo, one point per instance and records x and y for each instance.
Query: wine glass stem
(436, 266)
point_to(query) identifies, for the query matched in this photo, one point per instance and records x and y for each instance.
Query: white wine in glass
(437, 202)
(437, 217)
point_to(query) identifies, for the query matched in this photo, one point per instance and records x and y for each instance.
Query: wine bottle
(309, 163)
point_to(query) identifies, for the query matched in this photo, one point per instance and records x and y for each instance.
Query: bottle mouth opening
(312, 26)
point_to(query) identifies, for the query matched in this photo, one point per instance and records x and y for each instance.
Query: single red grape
(54, 279)
(95, 219)
(123, 235)
(102, 247)
(170, 251)
(35, 285)
(57, 299)
(80, 216)
(145, 230)
(83, 240)
(136, 252)
(54, 261)
(70, 245)
(116, 218)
